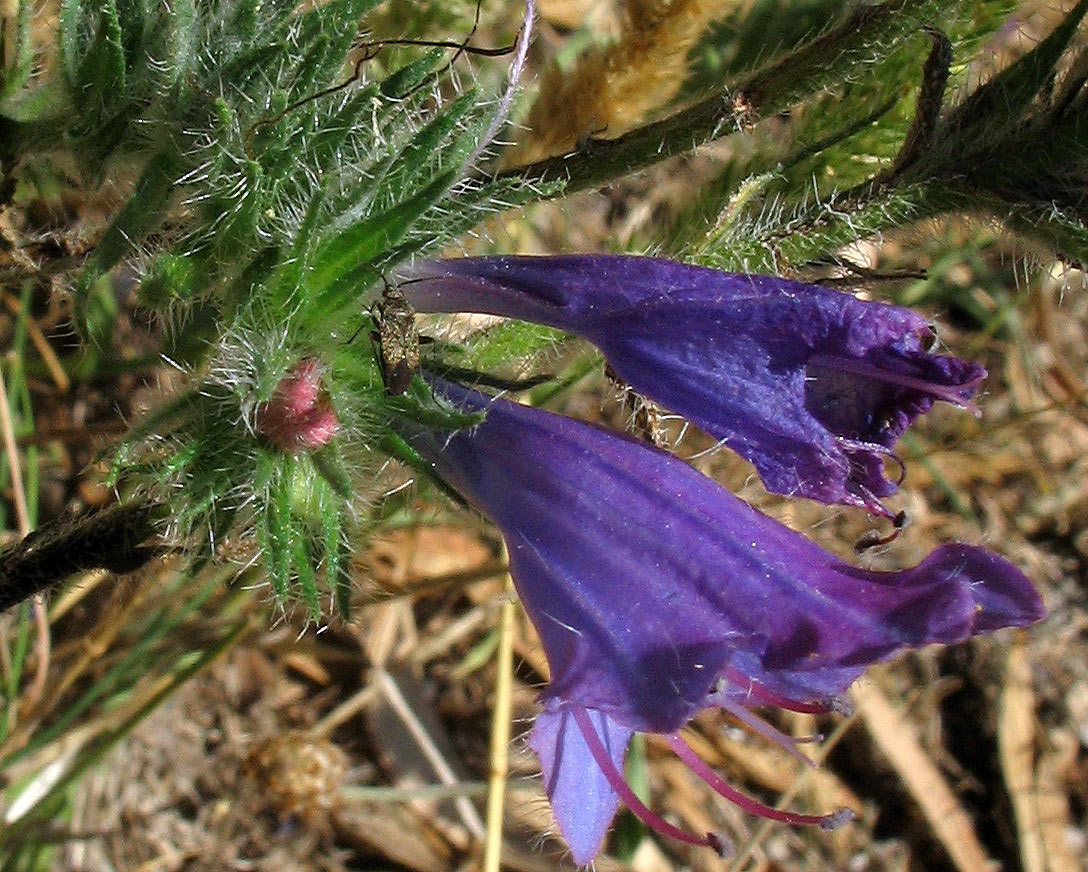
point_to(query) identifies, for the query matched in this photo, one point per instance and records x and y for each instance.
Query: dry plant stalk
(1040, 804)
(898, 740)
(615, 87)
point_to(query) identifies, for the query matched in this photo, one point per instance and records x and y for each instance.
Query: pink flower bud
(299, 417)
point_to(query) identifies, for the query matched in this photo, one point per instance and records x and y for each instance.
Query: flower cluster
(655, 592)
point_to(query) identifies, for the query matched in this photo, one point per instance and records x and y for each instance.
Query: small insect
(645, 416)
(397, 339)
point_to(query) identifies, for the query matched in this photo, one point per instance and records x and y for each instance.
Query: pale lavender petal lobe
(583, 801)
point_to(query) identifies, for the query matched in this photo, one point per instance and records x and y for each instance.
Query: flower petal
(811, 385)
(646, 580)
(583, 801)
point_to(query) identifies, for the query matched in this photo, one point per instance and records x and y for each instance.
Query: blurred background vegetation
(193, 195)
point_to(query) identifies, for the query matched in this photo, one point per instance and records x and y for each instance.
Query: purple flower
(656, 594)
(811, 385)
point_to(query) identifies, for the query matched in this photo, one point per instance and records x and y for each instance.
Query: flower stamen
(761, 727)
(873, 538)
(725, 789)
(765, 696)
(627, 795)
(949, 393)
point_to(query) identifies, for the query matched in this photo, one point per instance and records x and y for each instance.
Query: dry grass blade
(430, 753)
(1039, 801)
(1052, 803)
(41, 344)
(898, 740)
(1016, 745)
(42, 639)
(500, 730)
(14, 464)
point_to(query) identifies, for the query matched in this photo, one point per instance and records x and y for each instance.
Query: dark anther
(873, 537)
(719, 845)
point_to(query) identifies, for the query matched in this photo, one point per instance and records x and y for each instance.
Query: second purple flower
(811, 385)
(656, 594)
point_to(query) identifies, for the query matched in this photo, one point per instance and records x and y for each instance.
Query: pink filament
(633, 803)
(867, 370)
(722, 787)
(759, 726)
(766, 696)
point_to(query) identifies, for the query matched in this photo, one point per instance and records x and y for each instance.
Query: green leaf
(419, 405)
(1003, 100)
(100, 79)
(345, 259)
(1065, 233)
(276, 535)
(15, 71)
(144, 212)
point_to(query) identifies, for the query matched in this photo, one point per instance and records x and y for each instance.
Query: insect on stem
(397, 339)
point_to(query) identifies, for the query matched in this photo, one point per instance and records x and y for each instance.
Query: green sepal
(304, 569)
(244, 287)
(244, 22)
(276, 533)
(331, 509)
(180, 40)
(419, 404)
(408, 78)
(74, 36)
(420, 154)
(171, 279)
(329, 464)
(327, 32)
(100, 78)
(341, 583)
(165, 418)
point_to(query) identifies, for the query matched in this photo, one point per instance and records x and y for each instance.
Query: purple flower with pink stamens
(657, 594)
(811, 385)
